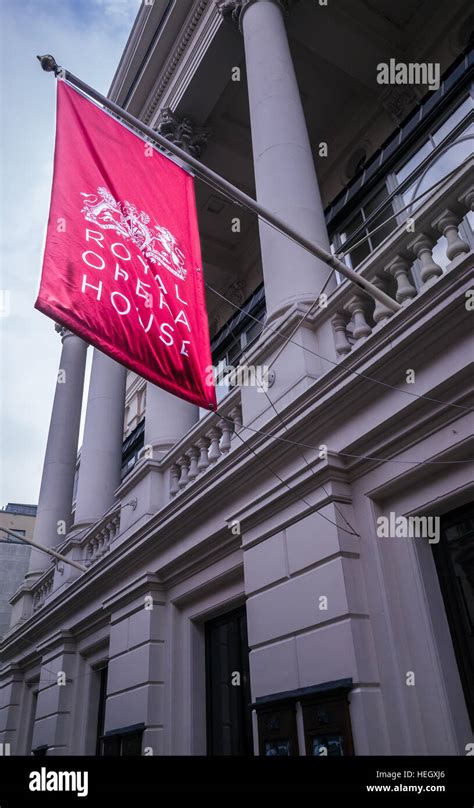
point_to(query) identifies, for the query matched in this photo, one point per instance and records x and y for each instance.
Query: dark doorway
(229, 725)
(454, 558)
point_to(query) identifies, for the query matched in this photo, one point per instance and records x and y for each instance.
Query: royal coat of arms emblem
(154, 241)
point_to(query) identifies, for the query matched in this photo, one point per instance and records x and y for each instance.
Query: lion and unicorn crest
(154, 241)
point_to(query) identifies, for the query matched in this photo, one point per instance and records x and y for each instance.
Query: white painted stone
(265, 563)
(293, 605)
(142, 704)
(136, 667)
(274, 668)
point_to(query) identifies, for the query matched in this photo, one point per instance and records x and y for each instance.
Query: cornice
(198, 558)
(233, 574)
(126, 595)
(59, 640)
(168, 71)
(411, 477)
(133, 43)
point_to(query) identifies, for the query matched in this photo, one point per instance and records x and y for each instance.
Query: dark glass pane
(456, 117)
(360, 253)
(411, 125)
(328, 745)
(279, 748)
(375, 201)
(253, 332)
(352, 225)
(380, 228)
(111, 746)
(454, 557)
(132, 745)
(414, 161)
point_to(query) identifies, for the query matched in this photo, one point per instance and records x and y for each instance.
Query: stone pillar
(167, 420)
(54, 518)
(52, 727)
(138, 663)
(12, 692)
(101, 453)
(285, 175)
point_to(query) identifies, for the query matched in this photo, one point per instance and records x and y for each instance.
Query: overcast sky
(87, 37)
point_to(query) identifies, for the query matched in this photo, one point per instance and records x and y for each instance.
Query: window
(327, 726)
(125, 742)
(234, 339)
(445, 148)
(131, 447)
(439, 152)
(454, 558)
(367, 225)
(277, 731)
(324, 721)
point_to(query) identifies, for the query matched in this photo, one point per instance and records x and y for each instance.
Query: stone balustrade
(98, 542)
(207, 443)
(94, 544)
(354, 315)
(43, 587)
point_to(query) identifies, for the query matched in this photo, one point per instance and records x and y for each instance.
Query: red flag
(122, 264)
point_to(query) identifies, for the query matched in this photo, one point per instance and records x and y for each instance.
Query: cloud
(117, 10)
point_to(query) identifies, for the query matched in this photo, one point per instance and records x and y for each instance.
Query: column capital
(233, 9)
(183, 132)
(63, 331)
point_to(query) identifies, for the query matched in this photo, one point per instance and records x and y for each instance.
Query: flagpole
(49, 64)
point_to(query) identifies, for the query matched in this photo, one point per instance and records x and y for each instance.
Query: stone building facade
(14, 554)
(240, 594)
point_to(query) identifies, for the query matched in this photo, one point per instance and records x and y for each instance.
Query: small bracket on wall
(132, 504)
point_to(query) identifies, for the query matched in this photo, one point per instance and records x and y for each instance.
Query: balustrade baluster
(174, 473)
(422, 247)
(339, 324)
(447, 224)
(214, 452)
(381, 311)
(193, 454)
(183, 463)
(399, 269)
(203, 445)
(236, 415)
(226, 430)
(357, 308)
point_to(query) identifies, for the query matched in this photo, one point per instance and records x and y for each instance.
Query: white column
(285, 175)
(101, 453)
(167, 420)
(53, 518)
